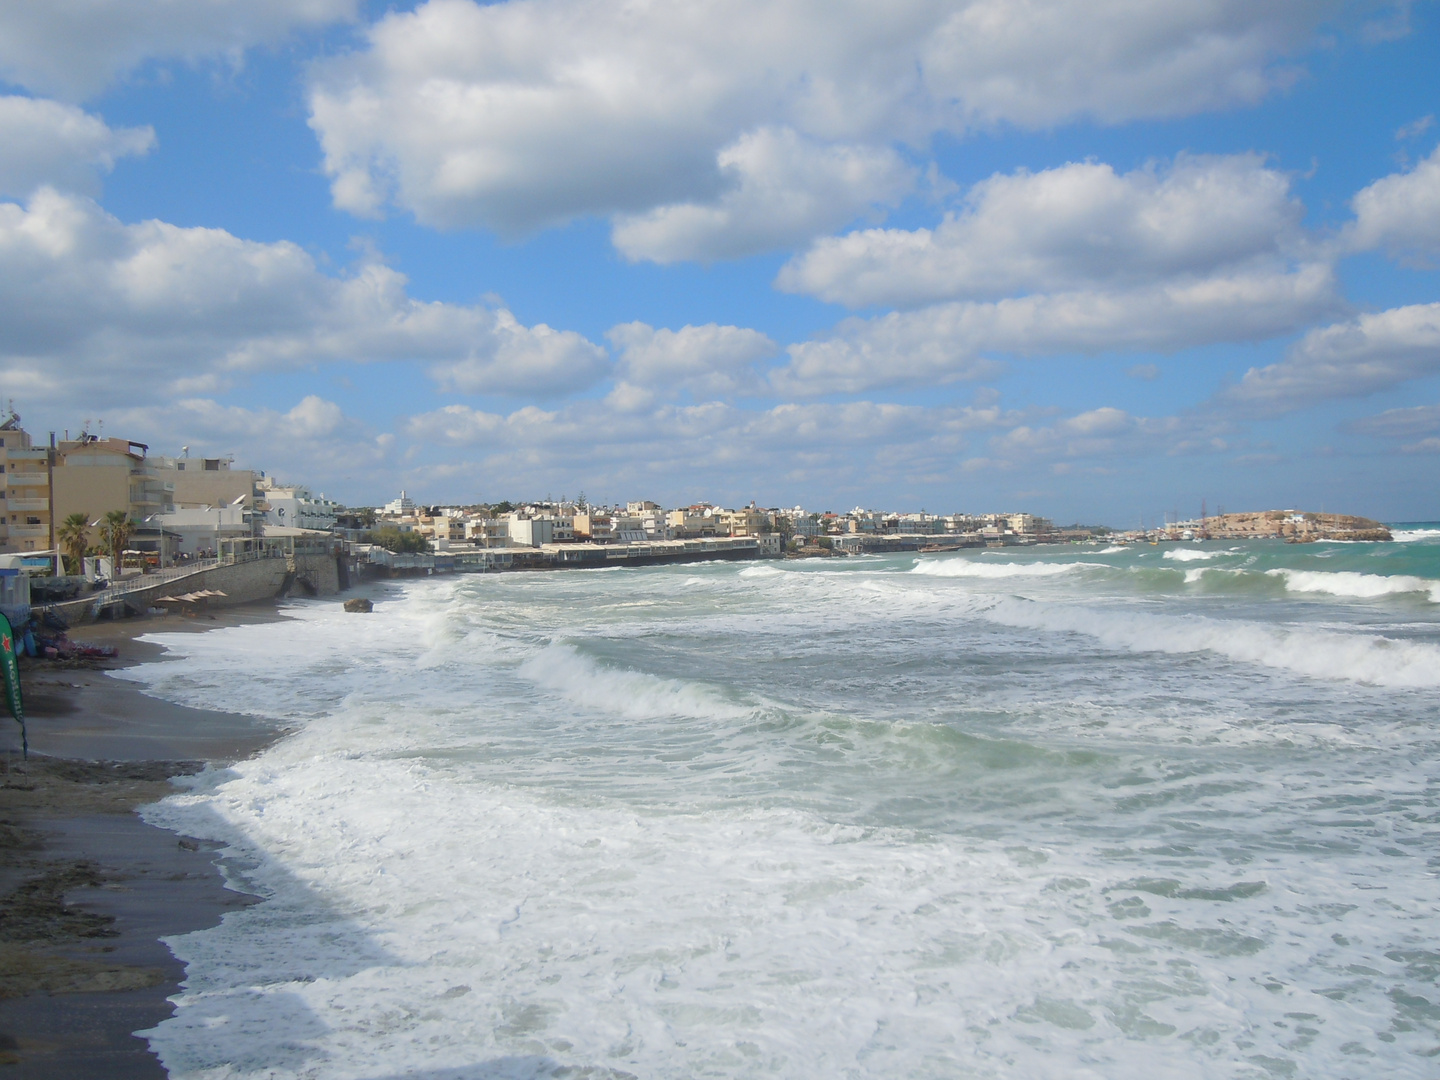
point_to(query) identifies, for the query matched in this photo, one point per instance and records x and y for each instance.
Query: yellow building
(94, 476)
(201, 481)
(25, 522)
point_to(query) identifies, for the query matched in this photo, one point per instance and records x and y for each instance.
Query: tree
(393, 540)
(72, 537)
(115, 532)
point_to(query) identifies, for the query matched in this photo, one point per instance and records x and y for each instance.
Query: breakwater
(384, 563)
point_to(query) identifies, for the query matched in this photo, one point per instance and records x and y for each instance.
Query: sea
(1086, 811)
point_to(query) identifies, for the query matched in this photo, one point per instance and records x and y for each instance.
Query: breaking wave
(1349, 583)
(964, 568)
(1322, 654)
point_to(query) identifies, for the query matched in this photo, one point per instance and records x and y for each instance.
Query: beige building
(748, 522)
(693, 522)
(26, 519)
(202, 482)
(592, 526)
(94, 476)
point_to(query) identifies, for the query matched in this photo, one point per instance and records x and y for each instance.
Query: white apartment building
(401, 507)
(294, 506)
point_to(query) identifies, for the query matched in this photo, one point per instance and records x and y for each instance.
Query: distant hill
(1301, 526)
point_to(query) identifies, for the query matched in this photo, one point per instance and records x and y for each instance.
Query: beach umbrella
(11, 672)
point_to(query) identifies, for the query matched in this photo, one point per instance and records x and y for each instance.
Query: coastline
(87, 888)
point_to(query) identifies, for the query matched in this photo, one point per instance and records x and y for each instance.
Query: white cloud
(1400, 212)
(95, 306)
(714, 446)
(1401, 423)
(516, 359)
(45, 142)
(75, 48)
(321, 445)
(1105, 432)
(1036, 63)
(946, 342)
(707, 359)
(522, 114)
(1077, 226)
(1414, 128)
(784, 190)
(1351, 359)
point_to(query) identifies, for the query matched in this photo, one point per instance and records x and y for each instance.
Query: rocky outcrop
(1301, 526)
(359, 604)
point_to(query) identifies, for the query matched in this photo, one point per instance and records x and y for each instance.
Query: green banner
(11, 671)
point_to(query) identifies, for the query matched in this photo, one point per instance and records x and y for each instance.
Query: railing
(120, 589)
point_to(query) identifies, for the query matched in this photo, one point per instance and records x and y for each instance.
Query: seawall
(241, 583)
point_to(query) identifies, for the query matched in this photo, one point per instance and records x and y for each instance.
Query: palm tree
(115, 532)
(72, 537)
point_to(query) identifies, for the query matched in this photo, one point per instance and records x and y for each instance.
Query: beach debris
(359, 604)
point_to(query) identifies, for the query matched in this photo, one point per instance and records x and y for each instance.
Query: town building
(26, 524)
(205, 482)
(94, 476)
(295, 506)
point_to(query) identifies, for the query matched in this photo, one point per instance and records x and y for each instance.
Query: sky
(1100, 260)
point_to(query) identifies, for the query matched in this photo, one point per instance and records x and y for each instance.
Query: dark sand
(87, 889)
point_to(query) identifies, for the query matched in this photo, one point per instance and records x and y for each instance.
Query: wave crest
(1360, 586)
(966, 568)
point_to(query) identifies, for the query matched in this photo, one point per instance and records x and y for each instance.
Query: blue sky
(1095, 260)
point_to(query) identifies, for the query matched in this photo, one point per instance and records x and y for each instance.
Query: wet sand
(87, 889)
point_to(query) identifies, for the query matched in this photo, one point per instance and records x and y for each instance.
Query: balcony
(27, 504)
(39, 532)
(36, 453)
(28, 479)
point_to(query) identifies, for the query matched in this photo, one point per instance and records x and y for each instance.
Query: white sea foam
(761, 571)
(1113, 549)
(563, 671)
(821, 823)
(1358, 657)
(1191, 554)
(963, 568)
(1349, 583)
(419, 923)
(1413, 535)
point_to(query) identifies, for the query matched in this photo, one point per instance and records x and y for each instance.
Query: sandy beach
(87, 889)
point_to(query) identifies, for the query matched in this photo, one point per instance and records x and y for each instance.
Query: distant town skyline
(1097, 262)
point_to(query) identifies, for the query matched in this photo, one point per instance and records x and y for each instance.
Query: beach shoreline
(87, 887)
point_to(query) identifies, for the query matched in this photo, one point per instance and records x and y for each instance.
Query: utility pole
(50, 493)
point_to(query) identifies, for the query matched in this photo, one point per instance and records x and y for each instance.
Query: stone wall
(242, 583)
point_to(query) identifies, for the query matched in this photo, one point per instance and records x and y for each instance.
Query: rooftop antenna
(185, 451)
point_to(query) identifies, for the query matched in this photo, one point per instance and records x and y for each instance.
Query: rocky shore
(1302, 526)
(87, 889)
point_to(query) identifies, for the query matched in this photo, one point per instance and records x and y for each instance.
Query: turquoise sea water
(1085, 811)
